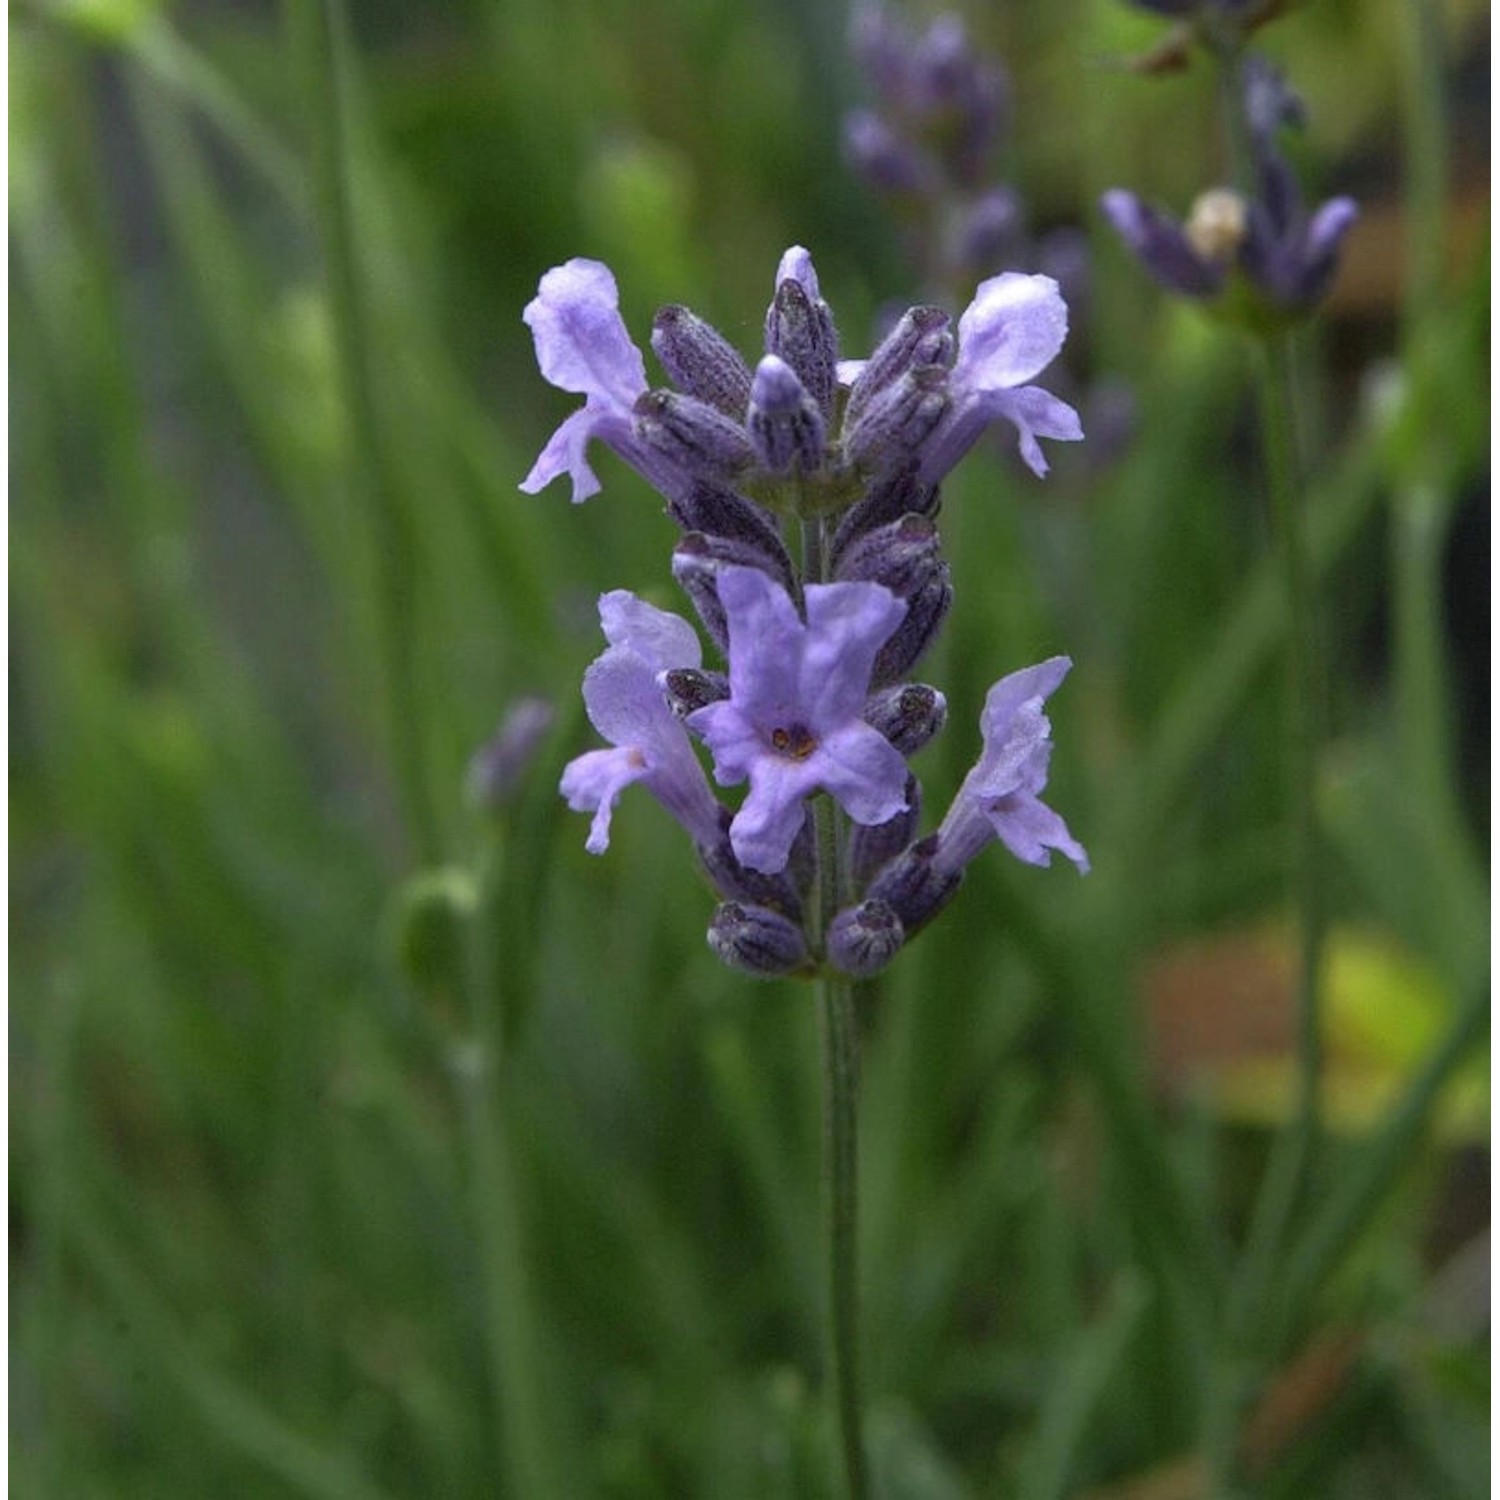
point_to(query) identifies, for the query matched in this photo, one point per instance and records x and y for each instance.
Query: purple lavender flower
(999, 797)
(1254, 258)
(1010, 332)
(582, 345)
(792, 723)
(814, 698)
(627, 706)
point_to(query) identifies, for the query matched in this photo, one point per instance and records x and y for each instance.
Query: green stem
(318, 34)
(524, 1414)
(1236, 128)
(1304, 716)
(840, 1033)
(510, 1328)
(1293, 1156)
(838, 1023)
(1423, 499)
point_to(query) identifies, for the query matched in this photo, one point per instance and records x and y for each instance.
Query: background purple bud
(497, 767)
(1161, 245)
(887, 160)
(990, 232)
(882, 47)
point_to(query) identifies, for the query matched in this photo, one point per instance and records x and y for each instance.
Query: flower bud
(736, 882)
(757, 940)
(429, 928)
(719, 512)
(872, 847)
(920, 337)
(687, 689)
(913, 888)
(799, 330)
(692, 435)
(696, 561)
(903, 556)
(886, 498)
(908, 715)
(783, 420)
(863, 939)
(989, 234)
(892, 426)
(701, 361)
(887, 160)
(925, 612)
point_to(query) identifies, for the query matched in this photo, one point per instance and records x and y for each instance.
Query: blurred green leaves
(281, 1225)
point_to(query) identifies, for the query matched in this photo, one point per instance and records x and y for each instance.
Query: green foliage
(366, 1144)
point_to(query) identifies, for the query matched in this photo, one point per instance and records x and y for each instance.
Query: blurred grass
(285, 1221)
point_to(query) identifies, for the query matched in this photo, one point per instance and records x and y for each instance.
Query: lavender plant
(815, 696)
(822, 869)
(1254, 257)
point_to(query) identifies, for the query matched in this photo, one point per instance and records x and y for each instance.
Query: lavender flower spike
(792, 723)
(628, 707)
(999, 797)
(582, 345)
(1010, 332)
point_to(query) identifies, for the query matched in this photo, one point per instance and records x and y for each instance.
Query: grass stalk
(321, 48)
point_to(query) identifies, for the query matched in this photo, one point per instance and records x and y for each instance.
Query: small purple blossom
(498, 767)
(792, 723)
(582, 345)
(1000, 798)
(627, 706)
(1009, 333)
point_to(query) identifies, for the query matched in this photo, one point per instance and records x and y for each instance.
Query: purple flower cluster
(1262, 259)
(815, 699)
(941, 106)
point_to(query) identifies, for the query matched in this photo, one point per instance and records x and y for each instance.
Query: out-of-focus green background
(298, 1205)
